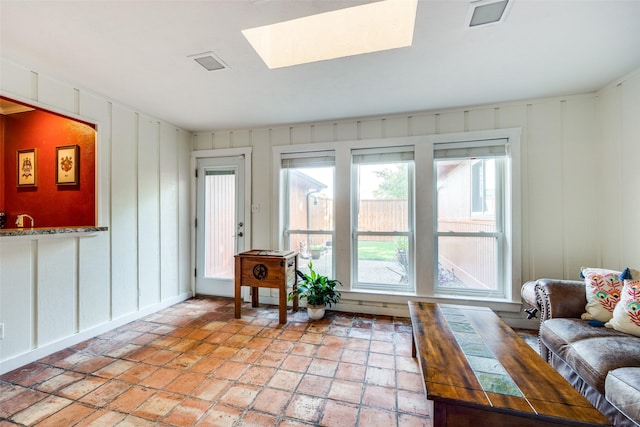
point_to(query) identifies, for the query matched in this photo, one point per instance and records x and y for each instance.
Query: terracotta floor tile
(326, 368)
(285, 380)
(81, 387)
(205, 365)
(93, 365)
(133, 421)
(345, 391)
(304, 349)
(56, 383)
(224, 352)
(339, 414)
(157, 406)
(272, 359)
(412, 402)
(408, 420)
(131, 399)
(380, 397)
(256, 419)
(410, 381)
(247, 355)
(211, 389)
(280, 346)
(351, 371)
(372, 417)
(383, 347)
(106, 393)
(382, 360)
(380, 376)
(184, 361)
(258, 375)
(272, 400)
(354, 356)
(137, 373)
(161, 357)
(305, 408)
(296, 363)
(240, 395)
(231, 370)
(115, 368)
(41, 410)
(195, 364)
(328, 352)
(220, 415)
(67, 416)
(219, 337)
(314, 385)
(25, 398)
(187, 413)
(101, 418)
(185, 383)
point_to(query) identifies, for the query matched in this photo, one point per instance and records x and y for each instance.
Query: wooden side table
(266, 269)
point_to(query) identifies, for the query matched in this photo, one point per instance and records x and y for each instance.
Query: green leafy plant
(316, 288)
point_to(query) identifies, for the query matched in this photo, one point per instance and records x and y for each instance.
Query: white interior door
(220, 223)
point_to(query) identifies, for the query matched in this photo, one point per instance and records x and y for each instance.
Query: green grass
(377, 251)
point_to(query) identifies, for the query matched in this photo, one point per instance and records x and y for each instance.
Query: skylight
(352, 31)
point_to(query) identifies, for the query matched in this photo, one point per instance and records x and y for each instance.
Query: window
(382, 219)
(308, 199)
(469, 217)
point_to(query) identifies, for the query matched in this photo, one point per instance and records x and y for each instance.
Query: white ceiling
(136, 53)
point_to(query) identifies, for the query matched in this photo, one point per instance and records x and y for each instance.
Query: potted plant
(318, 290)
(316, 251)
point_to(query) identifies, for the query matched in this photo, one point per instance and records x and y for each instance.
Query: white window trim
(424, 214)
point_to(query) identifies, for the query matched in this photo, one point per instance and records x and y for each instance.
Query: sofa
(600, 362)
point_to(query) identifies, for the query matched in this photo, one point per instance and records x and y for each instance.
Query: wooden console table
(478, 372)
(266, 269)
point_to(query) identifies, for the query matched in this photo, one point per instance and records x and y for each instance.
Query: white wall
(567, 191)
(55, 292)
(618, 195)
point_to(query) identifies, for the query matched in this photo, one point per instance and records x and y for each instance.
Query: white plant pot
(315, 312)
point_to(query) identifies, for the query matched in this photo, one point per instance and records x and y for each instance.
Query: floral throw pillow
(626, 315)
(603, 289)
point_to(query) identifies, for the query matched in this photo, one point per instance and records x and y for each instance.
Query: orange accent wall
(51, 205)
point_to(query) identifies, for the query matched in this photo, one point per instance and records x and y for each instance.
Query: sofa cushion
(603, 293)
(623, 391)
(591, 351)
(626, 315)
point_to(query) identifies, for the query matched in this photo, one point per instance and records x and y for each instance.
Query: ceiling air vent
(484, 12)
(209, 61)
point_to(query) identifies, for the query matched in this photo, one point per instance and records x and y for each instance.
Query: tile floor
(194, 364)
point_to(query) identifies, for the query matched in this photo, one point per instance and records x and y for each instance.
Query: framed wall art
(67, 165)
(26, 167)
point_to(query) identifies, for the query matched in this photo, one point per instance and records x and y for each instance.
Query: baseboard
(50, 348)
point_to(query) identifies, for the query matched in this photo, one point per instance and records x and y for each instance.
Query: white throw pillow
(626, 315)
(603, 289)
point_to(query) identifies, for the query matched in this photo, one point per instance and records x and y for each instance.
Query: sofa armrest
(561, 298)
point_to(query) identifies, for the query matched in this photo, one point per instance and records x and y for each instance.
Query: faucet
(19, 221)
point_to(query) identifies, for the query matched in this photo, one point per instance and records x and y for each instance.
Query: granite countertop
(49, 231)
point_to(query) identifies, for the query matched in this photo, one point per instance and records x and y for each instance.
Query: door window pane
(220, 227)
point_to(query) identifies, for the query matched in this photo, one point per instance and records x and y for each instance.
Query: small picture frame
(26, 168)
(67, 165)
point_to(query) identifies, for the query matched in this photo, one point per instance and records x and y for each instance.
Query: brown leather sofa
(602, 363)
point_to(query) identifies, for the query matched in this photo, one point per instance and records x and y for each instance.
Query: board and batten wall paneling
(148, 211)
(56, 292)
(553, 241)
(124, 212)
(619, 204)
(169, 226)
(17, 297)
